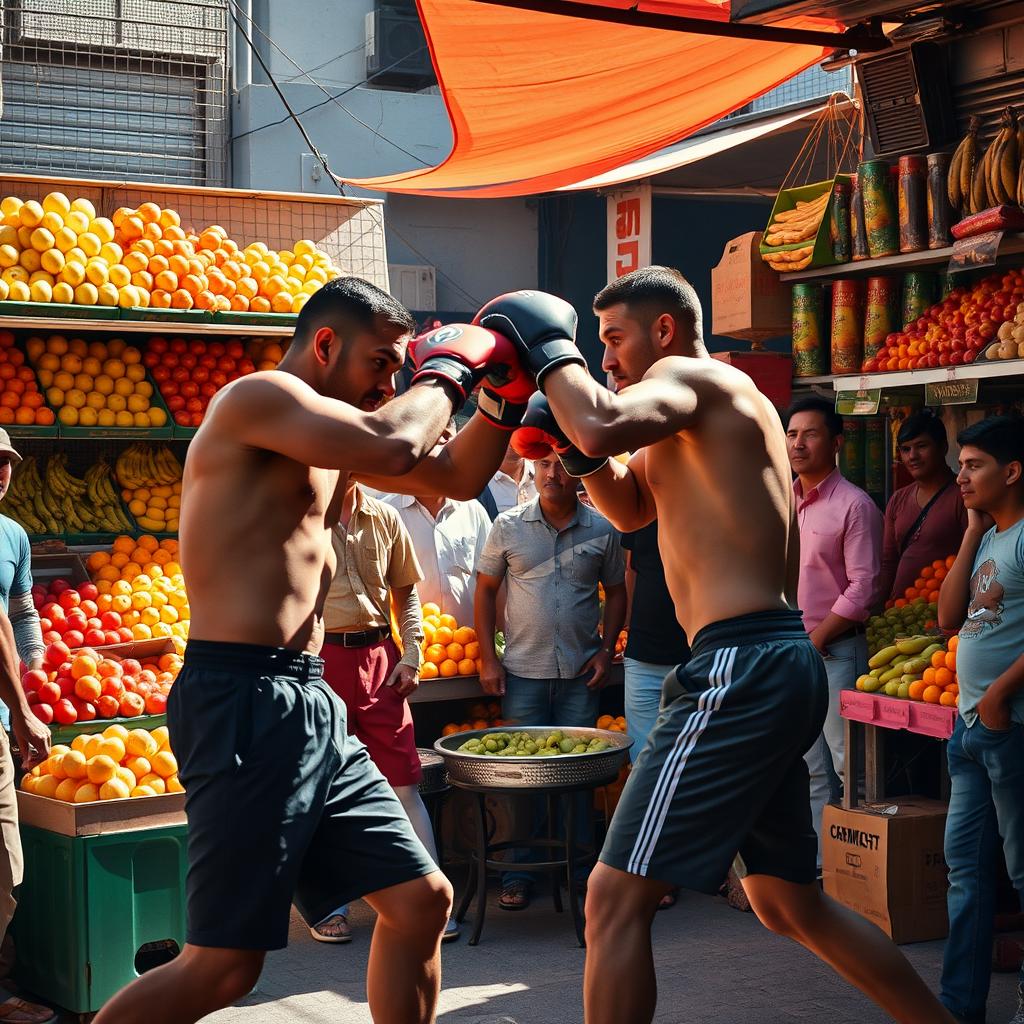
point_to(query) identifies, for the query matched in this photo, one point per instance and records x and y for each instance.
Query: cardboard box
(772, 372)
(101, 817)
(747, 299)
(885, 862)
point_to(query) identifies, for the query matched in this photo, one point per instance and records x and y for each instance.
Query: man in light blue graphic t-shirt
(983, 597)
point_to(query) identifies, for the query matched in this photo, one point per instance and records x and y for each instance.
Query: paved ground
(715, 966)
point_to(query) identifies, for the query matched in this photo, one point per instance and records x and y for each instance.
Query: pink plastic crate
(932, 720)
(893, 713)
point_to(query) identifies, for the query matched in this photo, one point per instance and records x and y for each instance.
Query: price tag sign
(952, 392)
(974, 252)
(858, 403)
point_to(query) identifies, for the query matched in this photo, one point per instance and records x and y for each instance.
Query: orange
(435, 654)
(181, 299)
(449, 668)
(604, 721)
(911, 593)
(463, 635)
(953, 688)
(932, 694)
(428, 670)
(450, 729)
(467, 667)
(947, 699)
(443, 635)
(455, 651)
(950, 560)
(951, 660)
(917, 689)
(428, 634)
(449, 621)
(954, 640)
(100, 769)
(928, 676)
(473, 650)
(943, 676)
(939, 659)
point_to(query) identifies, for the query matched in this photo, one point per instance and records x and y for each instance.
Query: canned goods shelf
(1011, 245)
(983, 370)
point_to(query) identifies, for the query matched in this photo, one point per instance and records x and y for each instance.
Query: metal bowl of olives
(534, 757)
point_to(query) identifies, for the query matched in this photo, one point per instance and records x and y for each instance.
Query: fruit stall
(123, 309)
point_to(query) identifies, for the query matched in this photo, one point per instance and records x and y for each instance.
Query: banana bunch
(56, 502)
(997, 178)
(894, 668)
(28, 502)
(145, 465)
(961, 169)
(799, 224)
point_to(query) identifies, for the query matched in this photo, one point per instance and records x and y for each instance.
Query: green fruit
(892, 688)
(903, 690)
(883, 657)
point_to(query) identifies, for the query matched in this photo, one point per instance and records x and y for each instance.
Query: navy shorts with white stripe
(722, 775)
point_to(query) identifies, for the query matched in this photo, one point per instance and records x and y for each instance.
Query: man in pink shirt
(840, 560)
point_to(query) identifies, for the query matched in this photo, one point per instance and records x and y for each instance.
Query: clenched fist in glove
(541, 326)
(463, 356)
(540, 435)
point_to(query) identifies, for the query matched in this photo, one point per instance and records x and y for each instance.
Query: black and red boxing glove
(540, 435)
(542, 327)
(462, 355)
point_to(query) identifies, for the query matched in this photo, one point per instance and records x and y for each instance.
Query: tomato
(56, 654)
(64, 711)
(43, 712)
(108, 706)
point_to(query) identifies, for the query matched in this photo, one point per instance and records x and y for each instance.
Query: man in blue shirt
(16, 576)
(983, 597)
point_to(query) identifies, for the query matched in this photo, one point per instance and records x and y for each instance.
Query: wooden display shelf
(981, 370)
(114, 327)
(1011, 245)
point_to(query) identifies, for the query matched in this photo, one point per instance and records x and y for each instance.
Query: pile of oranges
(142, 581)
(21, 402)
(480, 716)
(938, 684)
(614, 723)
(114, 765)
(448, 648)
(927, 585)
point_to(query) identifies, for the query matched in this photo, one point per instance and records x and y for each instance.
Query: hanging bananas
(961, 169)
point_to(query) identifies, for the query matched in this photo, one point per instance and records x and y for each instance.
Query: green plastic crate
(58, 309)
(89, 904)
(184, 318)
(66, 733)
(248, 319)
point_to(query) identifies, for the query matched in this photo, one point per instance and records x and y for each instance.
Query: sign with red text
(629, 230)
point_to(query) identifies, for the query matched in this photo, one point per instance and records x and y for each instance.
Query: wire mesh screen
(350, 231)
(129, 89)
(809, 85)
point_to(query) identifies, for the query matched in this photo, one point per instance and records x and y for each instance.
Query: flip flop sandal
(19, 1011)
(668, 900)
(514, 897)
(329, 922)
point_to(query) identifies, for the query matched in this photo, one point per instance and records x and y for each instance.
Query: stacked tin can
(881, 313)
(913, 203)
(809, 340)
(880, 220)
(847, 325)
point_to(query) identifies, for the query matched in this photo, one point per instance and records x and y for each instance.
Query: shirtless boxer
(282, 803)
(722, 774)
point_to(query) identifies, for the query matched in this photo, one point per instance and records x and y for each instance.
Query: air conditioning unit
(396, 49)
(414, 285)
(907, 101)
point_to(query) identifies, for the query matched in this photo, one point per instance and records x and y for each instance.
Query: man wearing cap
(16, 576)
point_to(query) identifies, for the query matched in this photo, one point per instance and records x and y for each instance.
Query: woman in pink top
(926, 519)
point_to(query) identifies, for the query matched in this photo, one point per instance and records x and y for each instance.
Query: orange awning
(538, 101)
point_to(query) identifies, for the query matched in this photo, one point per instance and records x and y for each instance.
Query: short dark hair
(833, 421)
(921, 423)
(348, 302)
(1002, 437)
(652, 291)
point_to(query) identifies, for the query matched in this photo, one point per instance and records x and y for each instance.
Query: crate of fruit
(799, 232)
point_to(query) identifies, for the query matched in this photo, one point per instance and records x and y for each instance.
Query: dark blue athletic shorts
(722, 776)
(283, 804)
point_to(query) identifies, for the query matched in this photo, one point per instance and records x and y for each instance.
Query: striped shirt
(552, 606)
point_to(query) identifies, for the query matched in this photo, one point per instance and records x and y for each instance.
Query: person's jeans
(845, 661)
(643, 700)
(566, 703)
(986, 801)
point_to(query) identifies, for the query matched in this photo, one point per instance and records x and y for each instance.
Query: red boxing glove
(462, 355)
(533, 443)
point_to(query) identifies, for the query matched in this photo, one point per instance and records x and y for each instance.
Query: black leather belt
(362, 638)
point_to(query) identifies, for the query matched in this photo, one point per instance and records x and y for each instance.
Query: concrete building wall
(479, 247)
